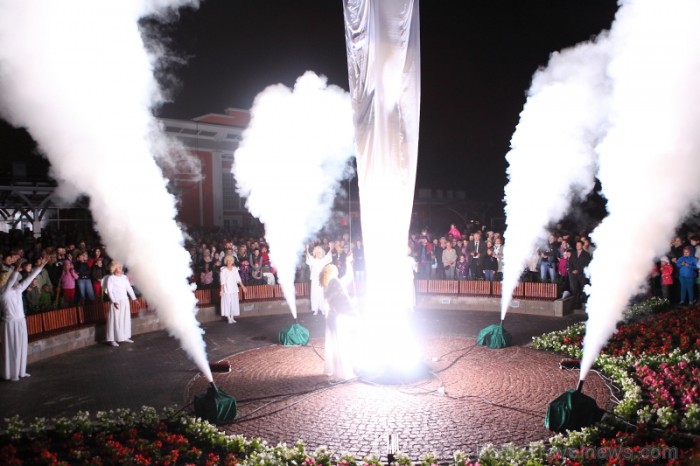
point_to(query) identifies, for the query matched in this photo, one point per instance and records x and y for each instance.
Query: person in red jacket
(666, 270)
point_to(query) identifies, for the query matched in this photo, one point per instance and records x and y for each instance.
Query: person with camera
(549, 256)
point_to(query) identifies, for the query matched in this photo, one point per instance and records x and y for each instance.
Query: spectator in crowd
(476, 250)
(26, 269)
(577, 264)
(230, 280)
(96, 254)
(66, 283)
(14, 323)
(424, 256)
(316, 264)
(666, 271)
(31, 297)
(206, 277)
(490, 265)
(676, 250)
(206, 258)
(245, 269)
(265, 255)
(119, 317)
(256, 276)
(563, 270)
(97, 273)
(44, 278)
(694, 243)
(438, 248)
(244, 253)
(687, 267)
(548, 258)
(46, 298)
(498, 254)
(449, 261)
(454, 232)
(55, 268)
(9, 261)
(86, 292)
(462, 268)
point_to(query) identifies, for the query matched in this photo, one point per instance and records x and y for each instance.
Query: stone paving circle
(490, 396)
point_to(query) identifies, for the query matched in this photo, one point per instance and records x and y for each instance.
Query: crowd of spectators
(78, 261)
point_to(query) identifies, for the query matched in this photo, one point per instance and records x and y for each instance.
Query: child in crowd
(67, 283)
(462, 267)
(666, 270)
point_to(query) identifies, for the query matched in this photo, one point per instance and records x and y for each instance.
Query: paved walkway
(495, 396)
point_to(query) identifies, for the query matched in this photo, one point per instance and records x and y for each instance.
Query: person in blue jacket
(687, 266)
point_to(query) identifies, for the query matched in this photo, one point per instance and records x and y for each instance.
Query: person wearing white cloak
(230, 280)
(119, 318)
(14, 322)
(316, 264)
(341, 323)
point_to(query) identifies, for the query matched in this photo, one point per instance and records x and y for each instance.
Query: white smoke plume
(552, 159)
(290, 163)
(77, 76)
(650, 159)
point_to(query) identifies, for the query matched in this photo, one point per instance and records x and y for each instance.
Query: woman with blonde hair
(316, 264)
(119, 289)
(230, 280)
(340, 319)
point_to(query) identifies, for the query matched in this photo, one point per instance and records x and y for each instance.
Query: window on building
(231, 199)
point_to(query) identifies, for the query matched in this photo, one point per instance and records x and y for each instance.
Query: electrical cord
(247, 418)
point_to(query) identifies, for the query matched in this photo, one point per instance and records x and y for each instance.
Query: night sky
(478, 58)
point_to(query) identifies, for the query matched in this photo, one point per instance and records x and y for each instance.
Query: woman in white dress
(230, 280)
(119, 318)
(316, 264)
(340, 323)
(14, 323)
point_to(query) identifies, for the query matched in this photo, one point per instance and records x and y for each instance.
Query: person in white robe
(230, 280)
(341, 323)
(316, 264)
(14, 323)
(119, 289)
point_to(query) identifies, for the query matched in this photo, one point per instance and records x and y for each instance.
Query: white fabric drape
(383, 50)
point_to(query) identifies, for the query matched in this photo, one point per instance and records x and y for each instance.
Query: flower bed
(654, 359)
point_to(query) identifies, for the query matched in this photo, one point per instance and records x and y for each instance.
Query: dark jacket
(578, 263)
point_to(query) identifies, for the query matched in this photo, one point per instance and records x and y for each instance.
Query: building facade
(206, 189)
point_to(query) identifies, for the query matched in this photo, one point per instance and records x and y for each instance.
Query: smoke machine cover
(215, 406)
(494, 336)
(572, 411)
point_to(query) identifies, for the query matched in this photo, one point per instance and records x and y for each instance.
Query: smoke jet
(642, 125)
(77, 76)
(290, 163)
(552, 159)
(649, 158)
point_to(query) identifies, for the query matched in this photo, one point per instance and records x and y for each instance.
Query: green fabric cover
(572, 411)
(215, 406)
(294, 335)
(494, 336)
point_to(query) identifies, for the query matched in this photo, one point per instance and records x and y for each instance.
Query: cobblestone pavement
(493, 396)
(490, 396)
